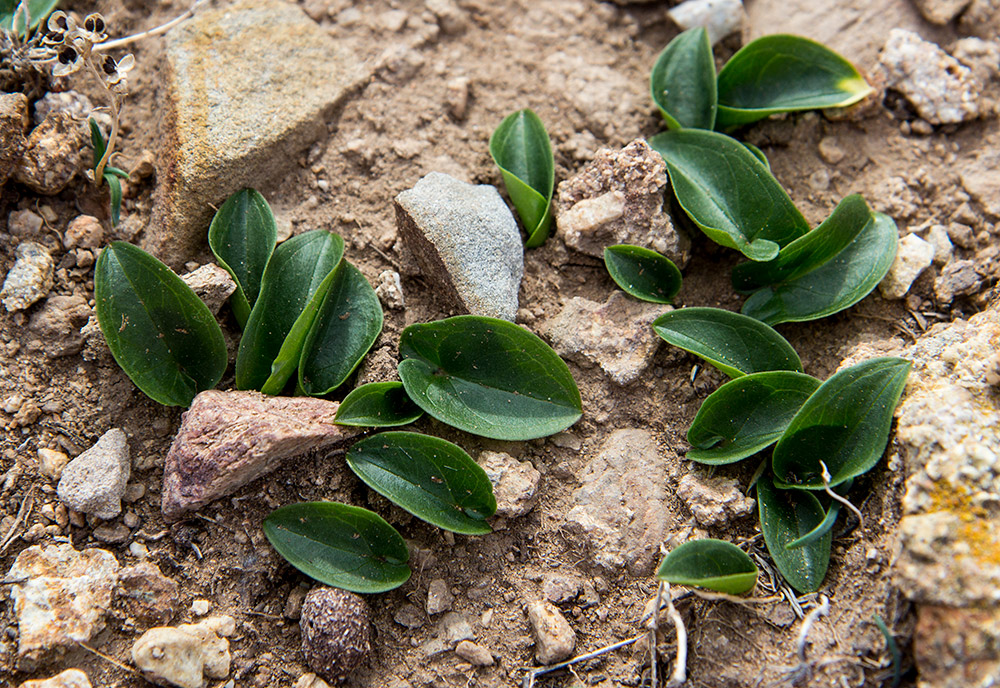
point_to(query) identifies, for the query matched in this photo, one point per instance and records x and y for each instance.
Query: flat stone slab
(249, 86)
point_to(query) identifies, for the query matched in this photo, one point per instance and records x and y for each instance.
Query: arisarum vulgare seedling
(711, 564)
(643, 273)
(378, 404)
(683, 82)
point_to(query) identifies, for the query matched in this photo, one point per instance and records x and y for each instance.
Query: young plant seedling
(785, 516)
(710, 564)
(642, 273)
(110, 174)
(683, 81)
(378, 405)
(521, 149)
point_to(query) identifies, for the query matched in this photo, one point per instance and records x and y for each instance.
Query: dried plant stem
(116, 111)
(22, 514)
(653, 628)
(680, 663)
(833, 495)
(811, 618)
(156, 31)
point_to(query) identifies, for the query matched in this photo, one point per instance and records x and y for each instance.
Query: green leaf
(344, 546)
(811, 291)
(378, 404)
(521, 149)
(242, 237)
(845, 424)
(817, 533)
(782, 73)
(488, 377)
(348, 323)
(785, 516)
(292, 289)
(431, 478)
(97, 140)
(115, 192)
(643, 273)
(758, 153)
(37, 9)
(746, 415)
(682, 82)
(733, 343)
(711, 564)
(729, 193)
(162, 335)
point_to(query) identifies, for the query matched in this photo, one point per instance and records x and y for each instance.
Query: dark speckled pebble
(335, 632)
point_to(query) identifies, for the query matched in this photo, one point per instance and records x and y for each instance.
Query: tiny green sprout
(521, 149)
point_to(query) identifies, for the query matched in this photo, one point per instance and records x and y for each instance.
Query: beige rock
(30, 280)
(474, 654)
(71, 678)
(14, 122)
(713, 501)
(84, 231)
(940, 11)
(52, 155)
(51, 462)
(913, 256)
(514, 483)
(554, 637)
(186, 655)
(212, 284)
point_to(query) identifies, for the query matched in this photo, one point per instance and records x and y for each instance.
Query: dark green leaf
(378, 404)
(344, 546)
(782, 73)
(242, 237)
(294, 285)
(348, 323)
(712, 564)
(733, 343)
(97, 140)
(817, 533)
(162, 335)
(115, 192)
(785, 516)
(116, 171)
(683, 81)
(845, 424)
(746, 415)
(729, 193)
(488, 377)
(520, 148)
(643, 273)
(813, 292)
(758, 153)
(431, 478)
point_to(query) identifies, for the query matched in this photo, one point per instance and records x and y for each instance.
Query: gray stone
(228, 439)
(958, 278)
(57, 324)
(52, 155)
(913, 256)
(409, 616)
(249, 86)
(616, 334)
(24, 224)
(454, 628)
(619, 513)
(514, 483)
(719, 17)
(940, 11)
(184, 656)
(554, 637)
(14, 123)
(941, 88)
(980, 176)
(30, 280)
(474, 654)
(439, 597)
(94, 482)
(559, 588)
(618, 199)
(60, 597)
(71, 678)
(212, 284)
(714, 501)
(465, 238)
(961, 234)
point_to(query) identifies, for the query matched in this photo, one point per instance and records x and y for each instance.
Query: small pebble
(474, 654)
(200, 607)
(336, 630)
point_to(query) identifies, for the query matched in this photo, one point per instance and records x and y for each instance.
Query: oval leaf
(746, 415)
(729, 193)
(837, 284)
(431, 478)
(710, 564)
(643, 273)
(344, 546)
(783, 73)
(683, 81)
(242, 237)
(294, 285)
(162, 335)
(521, 149)
(786, 516)
(488, 377)
(845, 424)
(348, 323)
(733, 343)
(378, 405)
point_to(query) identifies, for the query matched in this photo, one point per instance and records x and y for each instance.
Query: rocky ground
(332, 110)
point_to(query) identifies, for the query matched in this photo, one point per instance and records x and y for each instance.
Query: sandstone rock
(14, 124)
(84, 231)
(958, 278)
(474, 654)
(554, 637)
(620, 514)
(439, 597)
(615, 335)
(618, 199)
(310, 681)
(239, 107)
(186, 655)
(212, 284)
(714, 501)
(389, 290)
(940, 11)
(956, 648)
(59, 596)
(981, 18)
(514, 483)
(30, 280)
(71, 678)
(941, 88)
(73, 103)
(51, 155)
(228, 439)
(95, 481)
(146, 594)
(466, 240)
(913, 256)
(51, 462)
(57, 324)
(558, 588)
(719, 17)
(937, 236)
(980, 175)
(336, 631)
(982, 57)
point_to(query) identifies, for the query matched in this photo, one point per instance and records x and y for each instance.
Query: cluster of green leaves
(110, 174)
(726, 187)
(38, 10)
(823, 434)
(521, 148)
